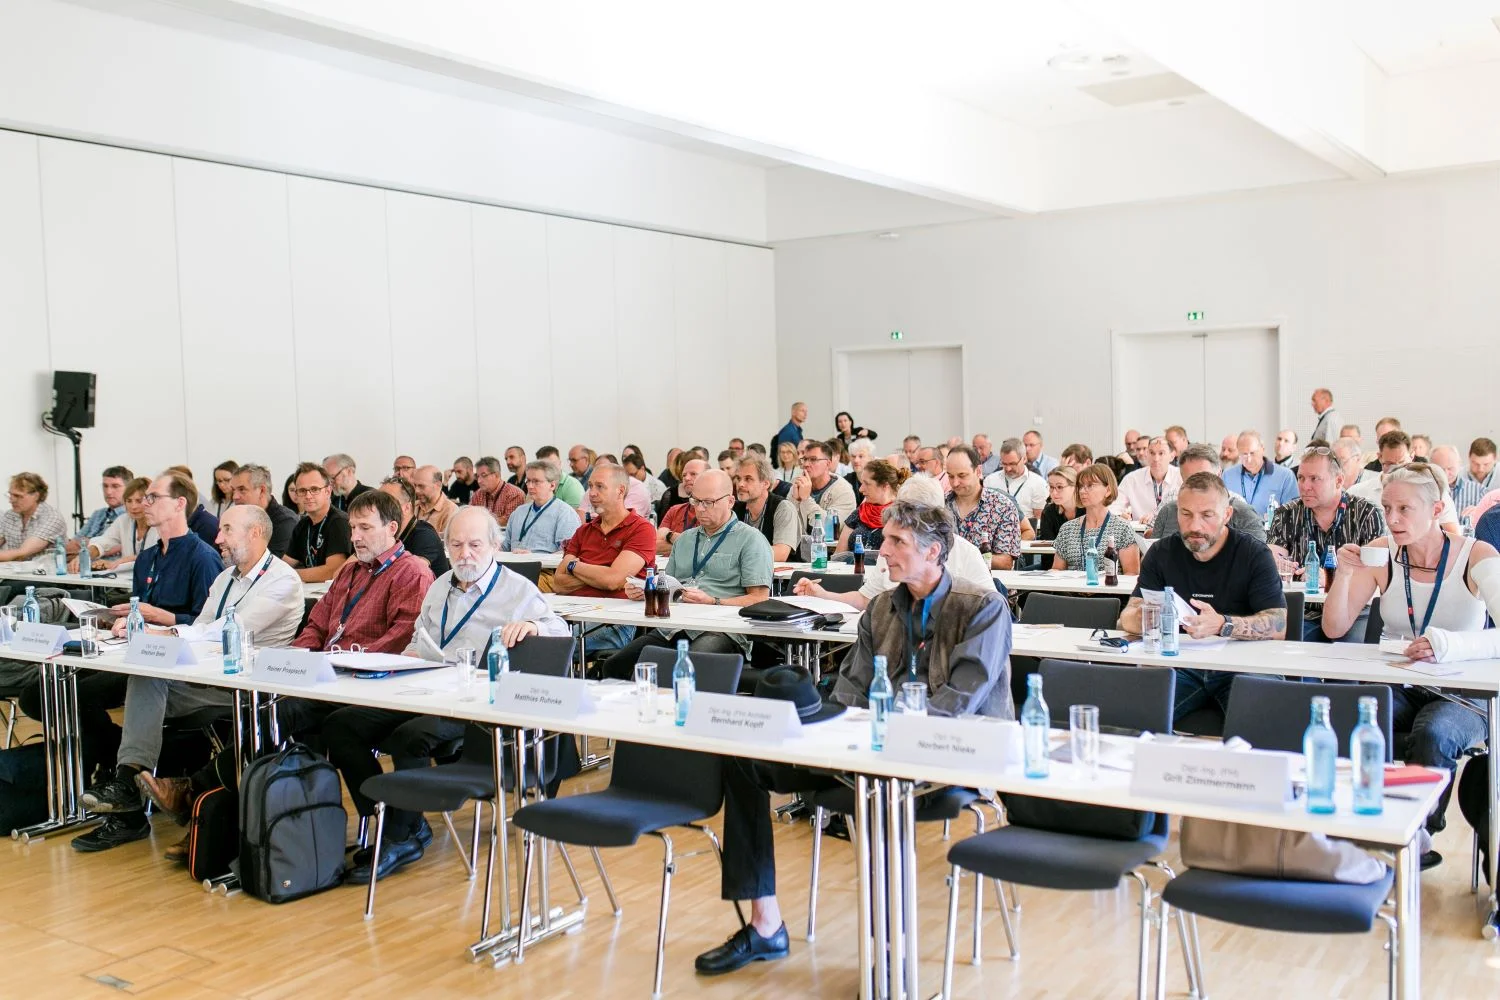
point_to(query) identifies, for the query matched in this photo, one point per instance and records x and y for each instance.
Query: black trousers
(98, 692)
(351, 734)
(621, 665)
(749, 839)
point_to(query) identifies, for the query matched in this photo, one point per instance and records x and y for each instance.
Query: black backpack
(292, 826)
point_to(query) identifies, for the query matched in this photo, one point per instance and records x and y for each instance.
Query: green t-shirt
(570, 491)
(742, 560)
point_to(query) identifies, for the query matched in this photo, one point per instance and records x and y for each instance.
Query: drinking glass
(89, 634)
(8, 616)
(645, 692)
(1151, 627)
(247, 650)
(467, 668)
(914, 697)
(1083, 730)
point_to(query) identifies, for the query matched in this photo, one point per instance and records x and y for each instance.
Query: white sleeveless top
(1457, 610)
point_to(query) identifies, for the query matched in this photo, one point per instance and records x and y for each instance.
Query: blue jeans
(1198, 688)
(1438, 734)
(605, 638)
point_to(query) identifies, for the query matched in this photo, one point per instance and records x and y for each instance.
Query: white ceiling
(969, 107)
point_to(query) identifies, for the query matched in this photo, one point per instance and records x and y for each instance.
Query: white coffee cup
(1374, 555)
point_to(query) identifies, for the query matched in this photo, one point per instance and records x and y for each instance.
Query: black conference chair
(651, 788)
(837, 583)
(1058, 609)
(446, 787)
(530, 570)
(1272, 715)
(1296, 608)
(1060, 854)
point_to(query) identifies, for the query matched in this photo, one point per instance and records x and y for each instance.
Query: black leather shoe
(393, 857)
(1430, 860)
(361, 857)
(743, 947)
(120, 828)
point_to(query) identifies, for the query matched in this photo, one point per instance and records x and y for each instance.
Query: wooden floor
(77, 925)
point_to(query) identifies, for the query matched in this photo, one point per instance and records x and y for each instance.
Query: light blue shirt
(1043, 465)
(1257, 490)
(542, 530)
(98, 521)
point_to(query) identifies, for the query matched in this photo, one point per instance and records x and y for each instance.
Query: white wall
(247, 314)
(1387, 293)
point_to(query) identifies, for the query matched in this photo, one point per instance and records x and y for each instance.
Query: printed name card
(948, 742)
(34, 637)
(297, 667)
(1211, 774)
(766, 721)
(147, 650)
(548, 697)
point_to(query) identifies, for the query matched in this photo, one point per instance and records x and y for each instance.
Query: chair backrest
(1272, 714)
(837, 583)
(1375, 624)
(1074, 612)
(679, 775)
(546, 655)
(1296, 605)
(530, 570)
(1138, 699)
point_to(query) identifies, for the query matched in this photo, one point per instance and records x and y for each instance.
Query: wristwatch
(1227, 629)
(717, 601)
(571, 565)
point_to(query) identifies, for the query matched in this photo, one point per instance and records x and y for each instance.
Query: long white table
(1070, 581)
(42, 575)
(842, 745)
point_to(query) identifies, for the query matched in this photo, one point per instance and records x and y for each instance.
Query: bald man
(434, 505)
(1229, 450)
(1256, 478)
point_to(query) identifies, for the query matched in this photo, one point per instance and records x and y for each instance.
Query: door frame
(1116, 335)
(839, 370)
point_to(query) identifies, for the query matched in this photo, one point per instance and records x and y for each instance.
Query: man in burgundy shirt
(680, 517)
(494, 492)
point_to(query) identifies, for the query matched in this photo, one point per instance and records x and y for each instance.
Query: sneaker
(121, 828)
(114, 796)
(173, 796)
(743, 947)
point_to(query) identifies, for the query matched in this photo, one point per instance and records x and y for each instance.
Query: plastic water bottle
(881, 697)
(818, 553)
(684, 682)
(135, 622)
(1321, 748)
(497, 660)
(31, 611)
(60, 557)
(1168, 622)
(232, 640)
(1091, 566)
(1271, 506)
(1367, 747)
(1036, 729)
(1311, 567)
(830, 529)
(85, 559)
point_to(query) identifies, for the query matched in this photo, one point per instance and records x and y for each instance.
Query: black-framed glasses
(151, 498)
(1103, 638)
(705, 504)
(307, 491)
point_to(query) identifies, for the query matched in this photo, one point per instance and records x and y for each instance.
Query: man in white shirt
(1395, 449)
(1025, 487)
(1143, 491)
(1329, 420)
(266, 595)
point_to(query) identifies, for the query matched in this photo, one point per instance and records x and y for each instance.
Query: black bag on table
(292, 826)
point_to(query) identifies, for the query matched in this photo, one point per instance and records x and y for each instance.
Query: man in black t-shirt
(321, 541)
(1229, 578)
(420, 538)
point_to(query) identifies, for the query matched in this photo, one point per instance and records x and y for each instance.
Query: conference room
(815, 501)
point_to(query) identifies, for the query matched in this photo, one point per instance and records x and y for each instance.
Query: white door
(1159, 378)
(1213, 383)
(901, 392)
(1243, 385)
(936, 387)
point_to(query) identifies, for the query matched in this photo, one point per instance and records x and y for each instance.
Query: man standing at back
(1329, 422)
(1257, 479)
(792, 432)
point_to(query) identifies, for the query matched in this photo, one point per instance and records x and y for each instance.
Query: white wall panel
(513, 327)
(432, 328)
(234, 266)
(750, 299)
(111, 262)
(704, 355)
(585, 377)
(341, 304)
(644, 324)
(23, 313)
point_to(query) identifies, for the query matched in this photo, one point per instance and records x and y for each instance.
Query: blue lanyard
(443, 633)
(1315, 534)
(1083, 531)
(350, 604)
(225, 596)
(916, 643)
(151, 576)
(698, 566)
(532, 518)
(1255, 490)
(1437, 586)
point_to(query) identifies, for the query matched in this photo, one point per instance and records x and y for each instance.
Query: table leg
(64, 763)
(895, 907)
(239, 743)
(862, 851)
(1408, 924)
(909, 883)
(880, 923)
(1493, 914)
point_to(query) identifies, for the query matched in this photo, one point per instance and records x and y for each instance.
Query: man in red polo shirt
(611, 548)
(680, 517)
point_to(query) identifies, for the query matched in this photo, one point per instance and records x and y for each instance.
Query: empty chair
(1071, 846)
(530, 570)
(650, 789)
(1272, 714)
(1058, 609)
(1296, 606)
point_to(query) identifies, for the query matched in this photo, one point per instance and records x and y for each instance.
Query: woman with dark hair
(223, 473)
(879, 480)
(843, 423)
(286, 494)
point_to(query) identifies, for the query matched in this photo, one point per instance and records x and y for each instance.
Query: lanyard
(135, 538)
(1156, 489)
(917, 643)
(1437, 586)
(1083, 531)
(532, 518)
(151, 578)
(1315, 533)
(225, 596)
(314, 547)
(443, 634)
(697, 565)
(1254, 490)
(350, 604)
(1016, 494)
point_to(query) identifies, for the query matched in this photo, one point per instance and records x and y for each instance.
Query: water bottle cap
(1033, 682)
(1320, 701)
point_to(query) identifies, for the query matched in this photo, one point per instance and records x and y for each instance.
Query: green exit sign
(1194, 317)
(895, 334)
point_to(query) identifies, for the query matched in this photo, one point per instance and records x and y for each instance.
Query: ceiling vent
(1142, 89)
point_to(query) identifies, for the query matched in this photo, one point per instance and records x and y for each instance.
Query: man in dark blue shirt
(172, 578)
(1488, 528)
(792, 432)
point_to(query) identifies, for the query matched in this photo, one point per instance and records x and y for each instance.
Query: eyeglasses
(151, 498)
(705, 504)
(308, 491)
(812, 459)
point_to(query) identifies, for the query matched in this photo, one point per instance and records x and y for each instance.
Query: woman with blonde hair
(788, 467)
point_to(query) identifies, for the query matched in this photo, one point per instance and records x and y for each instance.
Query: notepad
(1410, 774)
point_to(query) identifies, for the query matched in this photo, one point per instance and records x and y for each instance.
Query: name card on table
(947, 742)
(1212, 774)
(549, 697)
(147, 650)
(297, 667)
(34, 637)
(766, 721)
